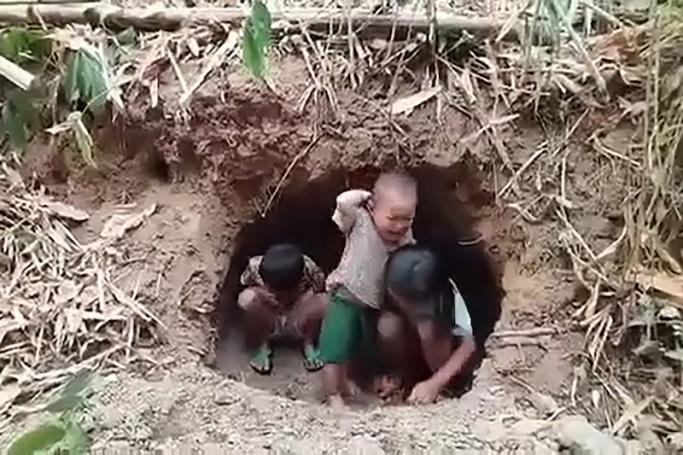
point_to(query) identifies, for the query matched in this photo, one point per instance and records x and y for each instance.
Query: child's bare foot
(337, 403)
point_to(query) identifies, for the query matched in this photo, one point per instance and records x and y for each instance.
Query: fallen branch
(293, 19)
(519, 342)
(539, 331)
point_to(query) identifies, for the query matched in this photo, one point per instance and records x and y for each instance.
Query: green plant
(84, 80)
(62, 434)
(256, 39)
(19, 110)
(66, 61)
(19, 115)
(24, 45)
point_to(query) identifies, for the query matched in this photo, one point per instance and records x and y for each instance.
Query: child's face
(393, 216)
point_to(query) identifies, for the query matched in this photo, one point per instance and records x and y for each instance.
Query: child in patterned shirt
(283, 297)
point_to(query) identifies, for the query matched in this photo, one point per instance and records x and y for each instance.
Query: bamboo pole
(174, 18)
(37, 2)
(16, 74)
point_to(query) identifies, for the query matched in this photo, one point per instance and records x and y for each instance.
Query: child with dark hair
(428, 337)
(283, 297)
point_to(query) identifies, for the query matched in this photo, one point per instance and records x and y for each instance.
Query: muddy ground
(211, 177)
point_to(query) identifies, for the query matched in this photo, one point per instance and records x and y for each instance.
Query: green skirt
(348, 331)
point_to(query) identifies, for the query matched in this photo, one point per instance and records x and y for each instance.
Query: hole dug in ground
(303, 217)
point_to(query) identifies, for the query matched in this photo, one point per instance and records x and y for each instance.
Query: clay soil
(211, 176)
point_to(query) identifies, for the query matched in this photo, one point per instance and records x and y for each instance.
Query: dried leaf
(408, 103)
(675, 354)
(118, 225)
(662, 282)
(8, 394)
(67, 290)
(65, 210)
(631, 414)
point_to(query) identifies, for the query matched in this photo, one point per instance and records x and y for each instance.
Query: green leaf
(256, 39)
(127, 37)
(84, 80)
(70, 79)
(261, 20)
(25, 107)
(22, 45)
(77, 440)
(92, 82)
(77, 384)
(64, 403)
(40, 439)
(72, 396)
(14, 126)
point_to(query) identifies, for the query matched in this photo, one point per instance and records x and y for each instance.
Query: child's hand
(424, 392)
(332, 283)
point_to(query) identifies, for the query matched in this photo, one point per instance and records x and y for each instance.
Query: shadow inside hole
(303, 217)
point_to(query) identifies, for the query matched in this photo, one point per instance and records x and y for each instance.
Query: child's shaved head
(398, 185)
(393, 206)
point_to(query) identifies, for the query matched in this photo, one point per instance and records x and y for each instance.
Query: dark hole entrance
(303, 217)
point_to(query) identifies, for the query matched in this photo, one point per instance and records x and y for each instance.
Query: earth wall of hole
(443, 222)
(231, 154)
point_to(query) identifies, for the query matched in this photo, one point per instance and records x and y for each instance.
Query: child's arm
(348, 204)
(455, 363)
(427, 391)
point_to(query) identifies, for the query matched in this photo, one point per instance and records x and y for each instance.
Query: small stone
(544, 404)
(225, 399)
(575, 433)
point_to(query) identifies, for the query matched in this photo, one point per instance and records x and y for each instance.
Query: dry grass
(61, 309)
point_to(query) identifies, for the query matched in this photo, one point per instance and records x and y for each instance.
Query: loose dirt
(211, 176)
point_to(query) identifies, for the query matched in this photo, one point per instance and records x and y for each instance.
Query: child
(374, 225)
(284, 296)
(429, 338)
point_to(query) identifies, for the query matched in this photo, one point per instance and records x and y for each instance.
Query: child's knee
(389, 326)
(248, 299)
(317, 304)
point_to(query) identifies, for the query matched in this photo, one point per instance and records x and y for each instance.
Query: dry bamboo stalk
(38, 2)
(16, 74)
(173, 18)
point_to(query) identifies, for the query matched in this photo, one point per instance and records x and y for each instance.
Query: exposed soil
(212, 176)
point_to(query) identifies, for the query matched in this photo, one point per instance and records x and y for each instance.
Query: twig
(178, 72)
(602, 13)
(539, 331)
(513, 180)
(519, 342)
(288, 171)
(599, 80)
(216, 60)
